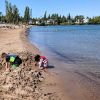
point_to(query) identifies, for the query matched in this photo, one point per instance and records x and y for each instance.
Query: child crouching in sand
(41, 61)
(11, 59)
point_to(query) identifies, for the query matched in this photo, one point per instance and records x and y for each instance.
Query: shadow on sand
(50, 67)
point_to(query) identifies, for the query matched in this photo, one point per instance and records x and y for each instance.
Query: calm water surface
(76, 46)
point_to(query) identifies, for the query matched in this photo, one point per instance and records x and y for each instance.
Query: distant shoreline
(68, 25)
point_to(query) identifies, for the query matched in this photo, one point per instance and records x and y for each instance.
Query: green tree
(94, 20)
(3, 18)
(91, 21)
(34, 21)
(69, 19)
(0, 16)
(21, 19)
(49, 16)
(15, 15)
(9, 12)
(12, 15)
(59, 20)
(7, 6)
(79, 19)
(45, 16)
(63, 19)
(55, 17)
(27, 15)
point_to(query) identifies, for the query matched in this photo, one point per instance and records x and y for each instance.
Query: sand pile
(24, 82)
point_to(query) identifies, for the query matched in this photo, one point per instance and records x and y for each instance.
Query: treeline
(94, 20)
(13, 16)
(66, 20)
(62, 20)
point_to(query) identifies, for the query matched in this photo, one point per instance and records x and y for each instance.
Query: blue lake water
(69, 45)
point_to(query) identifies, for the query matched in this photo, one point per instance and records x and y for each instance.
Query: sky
(88, 8)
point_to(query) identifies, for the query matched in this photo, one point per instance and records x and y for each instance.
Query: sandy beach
(15, 41)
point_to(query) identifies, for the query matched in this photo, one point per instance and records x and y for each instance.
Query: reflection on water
(77, 45)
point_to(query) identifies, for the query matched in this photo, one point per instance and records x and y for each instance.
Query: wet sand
(78, 83)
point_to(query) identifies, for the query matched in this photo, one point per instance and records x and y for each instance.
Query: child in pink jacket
(41, 61)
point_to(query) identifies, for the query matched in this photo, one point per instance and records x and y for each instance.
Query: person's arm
(7, 66)
(7, 58)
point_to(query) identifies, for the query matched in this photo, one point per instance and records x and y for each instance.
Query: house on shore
(86, 20)
(30, 22)
(78, 21)
(50, 22)
(37, 22)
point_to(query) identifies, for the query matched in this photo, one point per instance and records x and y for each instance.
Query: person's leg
(40, 63)
(7, 66)
(45, 65)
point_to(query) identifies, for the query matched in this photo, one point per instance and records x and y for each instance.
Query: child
(11, 59)
(41, 61)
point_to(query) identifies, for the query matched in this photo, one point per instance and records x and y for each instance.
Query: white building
(37, 22)
(50, 21)
(86, 20)
(77, 21)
